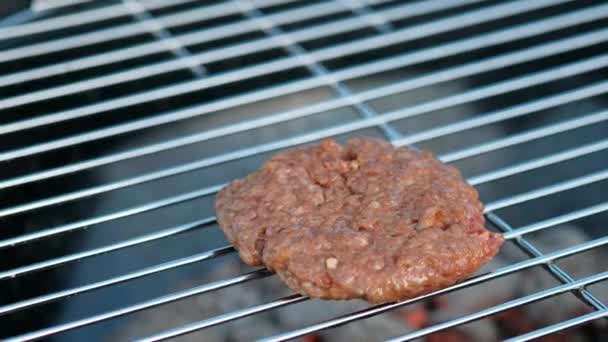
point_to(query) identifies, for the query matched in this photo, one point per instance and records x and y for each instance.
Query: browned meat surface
(364, 220)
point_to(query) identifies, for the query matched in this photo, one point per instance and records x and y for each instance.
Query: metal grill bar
(314, 66)
(139, 12)
(191, 112)
(228, 30)
(11, 242)
(539, 162)
(382, 25)
(301, 58)
(560, 326)
(557, 220)
(523, 137)
(532, 251)
(226, 318)
(361, 9)
(549, 190)
(476, 94)
(555, 270)
(585, 295)
(378, 309)
(510, 113)
(144, 305)
(355, 316)
(361, 45)
(525, 195)
(75, 19)
(58, 261)
(500, 143)
(44, 5)
(28, 303)
(505, 306)
(228, 249)
(440, 76)
(120, 31)
(39, 266)
(223, 31)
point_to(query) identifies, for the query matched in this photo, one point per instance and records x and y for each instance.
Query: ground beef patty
(364, 220)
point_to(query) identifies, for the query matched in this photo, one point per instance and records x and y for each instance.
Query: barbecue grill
(119, 121)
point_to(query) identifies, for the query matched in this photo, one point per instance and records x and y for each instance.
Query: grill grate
(59, 70)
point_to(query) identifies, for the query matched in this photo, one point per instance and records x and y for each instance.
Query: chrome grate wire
(264, 26)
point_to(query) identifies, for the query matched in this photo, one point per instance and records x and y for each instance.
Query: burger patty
(364, 220)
